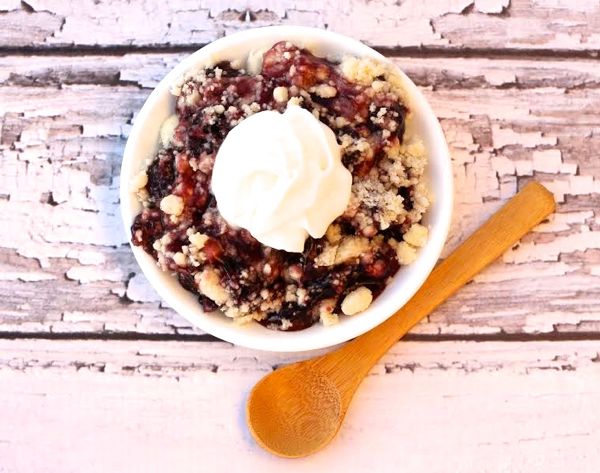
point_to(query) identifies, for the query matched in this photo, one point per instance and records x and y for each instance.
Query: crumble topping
(405, 253)
(280, 94)
(357, 301)
(172, 205)
(363, 102)
(167, 130)
(209, 284)
(327, 316)
(416, 235)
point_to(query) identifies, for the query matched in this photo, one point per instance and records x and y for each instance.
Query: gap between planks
(207, 338)
(413, 52)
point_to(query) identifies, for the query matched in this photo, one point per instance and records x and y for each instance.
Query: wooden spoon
(296, 410)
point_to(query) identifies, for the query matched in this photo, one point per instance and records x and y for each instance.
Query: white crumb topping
(285, 324)
(172, 205)
(143, 196)
(180, 259)
(380, 75)
(329, 319)
(159, 245)
(280, 94)
(326, 312)
(197, 239)
(167, 130)
(251, 109)
(254, 61)
(295, 101)
(191, 99)
(372, 194)
(324, 91)
(362, 70)
(380, 86)
(139, 181)
(350, 248)
(327, 256)
(405, 253)
(357, 301)
(341, 122)
(243, 320)
(210, 286)
(416, 235)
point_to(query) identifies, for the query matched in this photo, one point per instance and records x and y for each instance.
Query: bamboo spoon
(298, 409)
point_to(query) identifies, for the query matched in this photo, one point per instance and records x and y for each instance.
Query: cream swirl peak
(280, 176)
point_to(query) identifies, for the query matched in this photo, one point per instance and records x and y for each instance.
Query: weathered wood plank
(65, 266)
(157, 406)
(546, 25)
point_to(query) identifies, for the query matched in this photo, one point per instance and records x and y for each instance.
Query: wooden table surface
(97, 375)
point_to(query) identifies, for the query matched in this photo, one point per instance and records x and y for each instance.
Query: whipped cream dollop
(280, 176)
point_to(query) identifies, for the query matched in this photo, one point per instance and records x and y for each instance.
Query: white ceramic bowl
(143, 144)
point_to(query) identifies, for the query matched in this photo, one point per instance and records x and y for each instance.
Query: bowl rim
(274, 340)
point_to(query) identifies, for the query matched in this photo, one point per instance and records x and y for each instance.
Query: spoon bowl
(294, 411)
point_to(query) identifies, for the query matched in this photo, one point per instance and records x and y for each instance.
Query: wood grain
(442, 25)
(64, 121)
(169, 406)
(516, 84)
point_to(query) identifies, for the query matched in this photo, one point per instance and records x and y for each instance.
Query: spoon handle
(350, 363)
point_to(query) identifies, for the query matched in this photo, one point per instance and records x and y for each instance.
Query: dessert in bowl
(287, 188)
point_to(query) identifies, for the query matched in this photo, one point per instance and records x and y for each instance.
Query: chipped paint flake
(498, 273)
(507, 137)
(548, 161)
(87, 274)
(500, 77)
(550, 251)
(503, 166)
(491, 6)
(87, 257)
(560, 222)
(139, 290)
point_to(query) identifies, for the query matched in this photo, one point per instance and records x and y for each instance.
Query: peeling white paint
(87, 274)
(559, 222)
(507, 136)
(498, 273)
(573, 185)
(491, 6)
(500, 77)
(548, 161)
(503, 166)
(87, 257)
(531, 251)
(139, 290)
